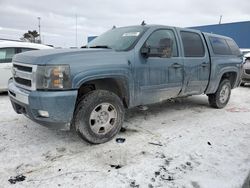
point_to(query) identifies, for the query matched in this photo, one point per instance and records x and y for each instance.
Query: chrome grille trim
(30, 76)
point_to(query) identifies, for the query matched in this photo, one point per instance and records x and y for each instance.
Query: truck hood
(65, 56)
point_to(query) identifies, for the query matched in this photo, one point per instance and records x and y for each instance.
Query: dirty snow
(178, 143)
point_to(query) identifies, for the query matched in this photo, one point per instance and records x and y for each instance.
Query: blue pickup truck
(88, 89)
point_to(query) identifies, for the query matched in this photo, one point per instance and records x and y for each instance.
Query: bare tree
(31, 36)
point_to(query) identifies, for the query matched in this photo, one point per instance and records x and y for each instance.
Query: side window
(21, 50)
(233, 46)
(6, 54)
(162, 43)
(220, 46)
(26, 49)
(192, 44)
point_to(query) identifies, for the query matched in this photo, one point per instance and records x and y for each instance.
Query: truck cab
(89, 89)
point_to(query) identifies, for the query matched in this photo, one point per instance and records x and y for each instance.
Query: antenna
(143, 23)
(39, 28)
(220, 19)
(76, 30)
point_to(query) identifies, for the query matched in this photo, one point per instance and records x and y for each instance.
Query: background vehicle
(245, 51)
(123, 68)
(246, 70)
(7, 50)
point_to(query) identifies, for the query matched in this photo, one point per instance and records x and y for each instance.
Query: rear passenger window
(233, 46)
(220, 46)
(192, 43)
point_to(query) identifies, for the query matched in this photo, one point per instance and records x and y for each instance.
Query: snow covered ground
(181, 143)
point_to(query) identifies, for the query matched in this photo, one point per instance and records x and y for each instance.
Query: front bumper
(60, 105)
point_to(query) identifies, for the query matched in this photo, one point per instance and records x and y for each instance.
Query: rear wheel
(221, 97)
(99, 116)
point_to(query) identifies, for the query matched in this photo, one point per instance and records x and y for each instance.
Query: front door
(160, 73)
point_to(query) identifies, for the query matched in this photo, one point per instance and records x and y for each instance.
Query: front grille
(22, 68)
(23, 81)
(24, 75)
(247, 71)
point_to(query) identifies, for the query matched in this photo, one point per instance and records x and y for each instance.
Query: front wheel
(99, 116)
(221, 97)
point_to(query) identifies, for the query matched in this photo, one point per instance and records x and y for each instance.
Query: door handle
(176, 65)
(204, 64)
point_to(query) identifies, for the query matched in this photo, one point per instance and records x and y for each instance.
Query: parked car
(246, 70)
(245, 50)
(89, 89)
(7, 50)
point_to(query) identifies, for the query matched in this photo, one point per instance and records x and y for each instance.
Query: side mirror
(145, 51)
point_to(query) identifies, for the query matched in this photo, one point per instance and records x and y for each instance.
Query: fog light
(43, 113)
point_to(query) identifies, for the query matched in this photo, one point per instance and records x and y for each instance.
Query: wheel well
(117, 86)
(231, 76)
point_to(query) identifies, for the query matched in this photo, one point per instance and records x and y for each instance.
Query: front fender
(86, 76)
(122, 74)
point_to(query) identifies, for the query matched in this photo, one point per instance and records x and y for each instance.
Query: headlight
(53, 77)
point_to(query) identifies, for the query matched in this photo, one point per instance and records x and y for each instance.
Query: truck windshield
(120, 39)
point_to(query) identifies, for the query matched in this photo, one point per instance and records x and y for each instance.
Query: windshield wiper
(100, 46)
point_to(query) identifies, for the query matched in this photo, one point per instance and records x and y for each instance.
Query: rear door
(196, 62)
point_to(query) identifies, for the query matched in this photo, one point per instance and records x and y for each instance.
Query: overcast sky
(58, 17)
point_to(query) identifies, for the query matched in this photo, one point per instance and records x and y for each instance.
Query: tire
(98, 116)
(221, 97)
